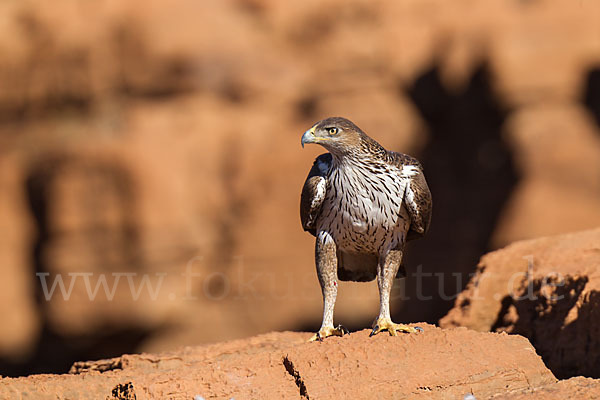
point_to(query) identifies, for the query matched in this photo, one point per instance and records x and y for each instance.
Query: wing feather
(313, 192)
(417, 197)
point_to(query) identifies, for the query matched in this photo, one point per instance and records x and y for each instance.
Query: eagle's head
(338, 135)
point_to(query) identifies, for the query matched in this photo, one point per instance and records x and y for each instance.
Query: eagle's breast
(363, 208)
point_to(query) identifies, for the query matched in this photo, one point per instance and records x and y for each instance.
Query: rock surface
(437, 364)
(574, 388)
(141, 138)
(547, 290)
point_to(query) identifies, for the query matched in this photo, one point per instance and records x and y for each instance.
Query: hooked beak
(308, 137)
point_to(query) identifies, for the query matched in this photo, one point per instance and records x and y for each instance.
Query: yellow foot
(386, 324)
(329, 331)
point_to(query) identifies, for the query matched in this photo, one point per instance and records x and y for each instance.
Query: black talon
(374, 331)
(319, 338)
(343, 329)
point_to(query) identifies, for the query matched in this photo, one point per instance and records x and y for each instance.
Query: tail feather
(361, 267)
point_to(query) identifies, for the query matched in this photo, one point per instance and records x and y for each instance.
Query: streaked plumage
(362, 203)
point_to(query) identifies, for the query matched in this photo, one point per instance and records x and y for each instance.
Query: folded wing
(313, 192)
(417, 197)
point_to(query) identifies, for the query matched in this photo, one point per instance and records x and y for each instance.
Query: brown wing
(417, 197)
(313, 193)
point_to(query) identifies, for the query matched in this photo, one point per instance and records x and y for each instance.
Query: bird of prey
(362, 203)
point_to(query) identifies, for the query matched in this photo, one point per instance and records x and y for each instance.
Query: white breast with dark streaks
(363, 208)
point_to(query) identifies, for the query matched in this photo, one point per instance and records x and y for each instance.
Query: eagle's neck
(367, 151)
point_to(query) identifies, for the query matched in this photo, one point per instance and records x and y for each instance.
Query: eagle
(362, 203)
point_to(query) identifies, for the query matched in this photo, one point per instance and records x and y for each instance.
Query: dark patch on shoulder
(324, 158)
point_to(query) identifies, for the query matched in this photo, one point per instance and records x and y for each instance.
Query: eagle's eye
(332, 131)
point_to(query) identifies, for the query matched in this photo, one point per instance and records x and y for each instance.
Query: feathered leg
(326, 261)
(386, 271)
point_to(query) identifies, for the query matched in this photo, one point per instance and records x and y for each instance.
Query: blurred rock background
(159, 142)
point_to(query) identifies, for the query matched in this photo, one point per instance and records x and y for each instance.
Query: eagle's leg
(326, 261)
(386, 271)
